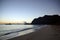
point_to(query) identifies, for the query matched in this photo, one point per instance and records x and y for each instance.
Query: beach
(51, 32)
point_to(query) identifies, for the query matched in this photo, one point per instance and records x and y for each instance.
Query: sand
(46, 33)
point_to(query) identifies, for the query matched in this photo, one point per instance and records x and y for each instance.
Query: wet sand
(51, 32)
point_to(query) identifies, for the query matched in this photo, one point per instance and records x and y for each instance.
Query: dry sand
(46, 33)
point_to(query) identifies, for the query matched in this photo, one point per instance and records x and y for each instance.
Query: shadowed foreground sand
(46, 33)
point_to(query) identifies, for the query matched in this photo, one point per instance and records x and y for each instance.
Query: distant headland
(47, 19)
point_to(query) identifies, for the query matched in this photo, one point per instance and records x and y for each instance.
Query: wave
(15, 31)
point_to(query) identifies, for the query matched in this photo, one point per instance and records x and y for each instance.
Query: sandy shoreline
(46, 33)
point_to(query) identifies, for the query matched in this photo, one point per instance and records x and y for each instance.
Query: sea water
(11, 31)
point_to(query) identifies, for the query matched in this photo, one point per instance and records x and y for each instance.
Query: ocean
(11, 31)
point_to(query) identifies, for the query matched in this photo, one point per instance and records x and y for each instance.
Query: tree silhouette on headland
(47, 19)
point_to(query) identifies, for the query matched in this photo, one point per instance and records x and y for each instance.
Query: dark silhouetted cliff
(47, 19)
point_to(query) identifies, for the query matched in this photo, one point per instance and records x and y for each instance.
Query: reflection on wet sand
(50, 32)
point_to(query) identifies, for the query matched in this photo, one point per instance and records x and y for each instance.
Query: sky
(20, 11)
